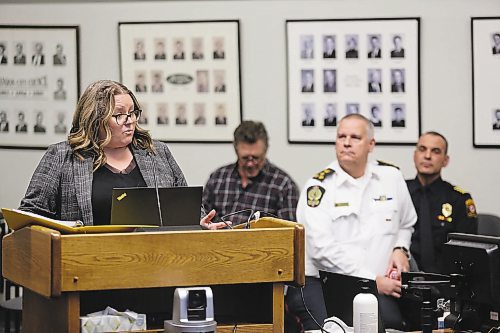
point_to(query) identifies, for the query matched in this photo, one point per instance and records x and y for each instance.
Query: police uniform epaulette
(459, 190)
(379, 162)
(323, 174)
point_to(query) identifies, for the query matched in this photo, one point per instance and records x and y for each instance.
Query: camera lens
(197, 298)
(197, 305)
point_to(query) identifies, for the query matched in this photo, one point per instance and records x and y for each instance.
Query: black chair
(11, 300)
(488, 225)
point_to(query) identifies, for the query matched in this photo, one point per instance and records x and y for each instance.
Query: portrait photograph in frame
(186, 76)
(341, 66)
(39, 84)
(485, 33)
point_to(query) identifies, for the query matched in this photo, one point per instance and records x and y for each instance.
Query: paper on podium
(17, 219)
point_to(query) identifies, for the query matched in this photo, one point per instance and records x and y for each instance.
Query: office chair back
(488, 225)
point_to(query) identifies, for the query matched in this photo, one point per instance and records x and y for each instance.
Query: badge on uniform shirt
(446, 209)
(382, 198)
(314, 195)
(471, 208)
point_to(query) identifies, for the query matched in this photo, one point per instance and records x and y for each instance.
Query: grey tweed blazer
(61, 187)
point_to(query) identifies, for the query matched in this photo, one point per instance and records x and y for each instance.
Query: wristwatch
(404, 249)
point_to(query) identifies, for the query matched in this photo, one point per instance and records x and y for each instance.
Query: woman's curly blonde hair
(93, 112)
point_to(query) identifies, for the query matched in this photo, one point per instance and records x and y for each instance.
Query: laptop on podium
(180, 207)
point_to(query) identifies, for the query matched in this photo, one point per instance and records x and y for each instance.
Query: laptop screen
(180, 207)
(339, 291)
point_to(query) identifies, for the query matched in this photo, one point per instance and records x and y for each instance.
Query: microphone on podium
(158, 204)
(253, 215)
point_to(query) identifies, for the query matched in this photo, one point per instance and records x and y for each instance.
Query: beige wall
(446, 100)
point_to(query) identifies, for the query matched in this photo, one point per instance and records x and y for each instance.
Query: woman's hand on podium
(207, 223)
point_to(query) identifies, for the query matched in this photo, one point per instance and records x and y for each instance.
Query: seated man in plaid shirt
(252, 183)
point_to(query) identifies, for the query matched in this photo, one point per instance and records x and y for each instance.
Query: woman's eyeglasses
(122, 118)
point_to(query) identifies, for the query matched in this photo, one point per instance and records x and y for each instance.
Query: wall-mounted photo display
(366, 66)
(186, 76)
(39, 84)
(485, 81)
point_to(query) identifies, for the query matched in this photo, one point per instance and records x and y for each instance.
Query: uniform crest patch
(314, 195)
(471, 208)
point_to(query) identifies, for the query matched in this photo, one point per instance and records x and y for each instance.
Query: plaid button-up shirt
(272, 191)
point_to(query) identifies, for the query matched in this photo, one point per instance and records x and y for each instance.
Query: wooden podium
(67, 276)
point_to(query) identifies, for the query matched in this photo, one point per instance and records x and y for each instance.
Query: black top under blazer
(61, 186)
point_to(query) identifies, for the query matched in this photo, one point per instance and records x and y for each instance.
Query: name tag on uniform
(382, 198)
(341, 204)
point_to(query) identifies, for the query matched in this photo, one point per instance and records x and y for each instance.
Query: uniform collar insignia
(323, 174)
(383, 163)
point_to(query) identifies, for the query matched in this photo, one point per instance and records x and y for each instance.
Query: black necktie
(425, 228)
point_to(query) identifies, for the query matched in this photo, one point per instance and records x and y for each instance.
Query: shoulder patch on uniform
(459, 190)
(323, 174)
(379, 162)
(314, 195)
(470, 208)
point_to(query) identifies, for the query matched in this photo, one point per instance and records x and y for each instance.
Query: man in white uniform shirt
(358, 218)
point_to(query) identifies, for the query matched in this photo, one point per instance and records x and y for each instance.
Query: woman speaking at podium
(105, 149)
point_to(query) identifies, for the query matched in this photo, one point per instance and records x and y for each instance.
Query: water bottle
(365, 310)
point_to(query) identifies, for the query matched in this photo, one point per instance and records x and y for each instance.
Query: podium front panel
(148, 260)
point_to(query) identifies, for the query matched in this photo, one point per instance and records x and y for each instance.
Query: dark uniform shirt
(451, 210)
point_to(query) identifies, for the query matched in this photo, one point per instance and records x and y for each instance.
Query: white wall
(445, 79)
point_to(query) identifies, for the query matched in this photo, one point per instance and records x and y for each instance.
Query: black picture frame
(40, 69)
(195, 67)
(485, 40)
(394, 68)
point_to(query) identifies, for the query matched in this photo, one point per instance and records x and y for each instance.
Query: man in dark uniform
(441, 207)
